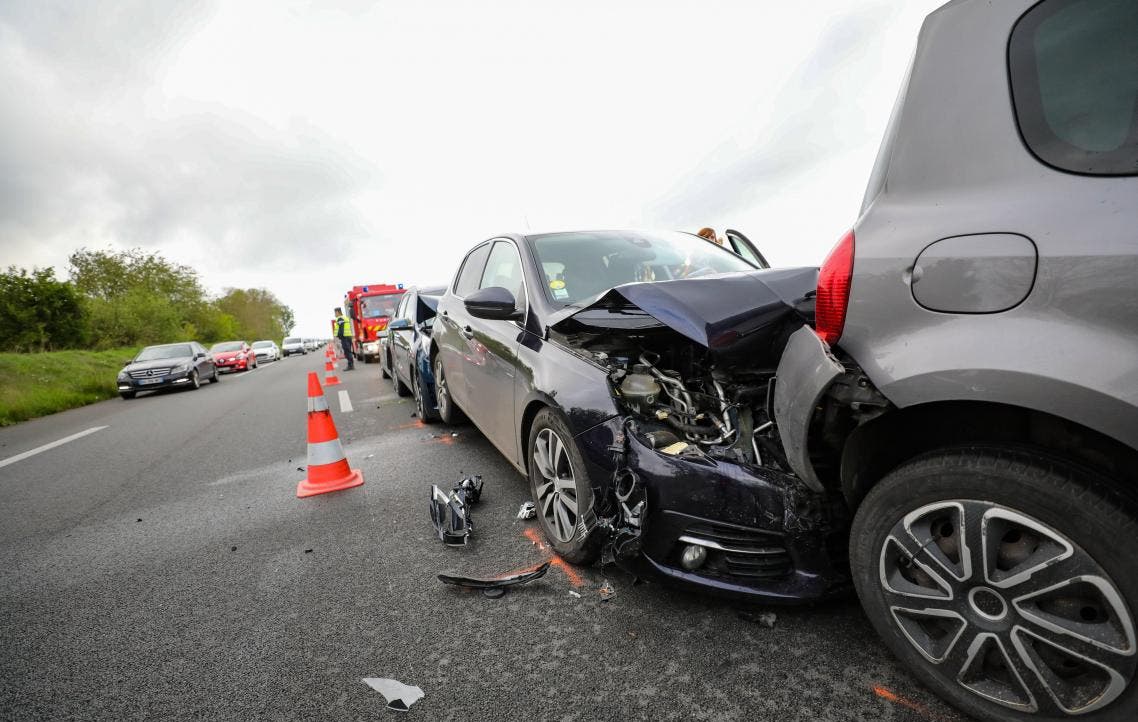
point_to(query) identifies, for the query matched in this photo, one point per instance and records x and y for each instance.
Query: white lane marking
(243, 374)
(345, 402)
(52, 445)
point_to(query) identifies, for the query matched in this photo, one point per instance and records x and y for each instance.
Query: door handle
(468, 332)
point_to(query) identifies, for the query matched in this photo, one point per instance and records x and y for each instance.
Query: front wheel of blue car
(448, 412)
(423, 407)
(561, 489)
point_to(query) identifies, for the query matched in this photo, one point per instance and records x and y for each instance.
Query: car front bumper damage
(714, 525)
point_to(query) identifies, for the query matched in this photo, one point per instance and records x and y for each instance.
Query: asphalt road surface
(161, 567)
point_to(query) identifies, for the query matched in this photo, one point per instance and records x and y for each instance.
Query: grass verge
(38, 384)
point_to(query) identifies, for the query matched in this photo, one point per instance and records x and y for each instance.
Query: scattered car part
(607, 591)
(528, 510)
(399, 696)
(499, 583)
(451, 512)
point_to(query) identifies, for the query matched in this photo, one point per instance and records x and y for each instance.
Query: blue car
(405, 351)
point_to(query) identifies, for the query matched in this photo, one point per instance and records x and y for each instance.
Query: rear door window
(1074, 76)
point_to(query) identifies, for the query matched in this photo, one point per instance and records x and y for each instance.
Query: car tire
(449, 412)
(560, 488)
(195, 380)
(127, 395)
(383, 367)
(426, 415)
(216, 376)
(1042, 579)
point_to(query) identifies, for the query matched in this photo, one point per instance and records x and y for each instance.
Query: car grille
(740, 552)
(149, 373)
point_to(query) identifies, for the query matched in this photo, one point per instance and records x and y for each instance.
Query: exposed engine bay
(691, 367)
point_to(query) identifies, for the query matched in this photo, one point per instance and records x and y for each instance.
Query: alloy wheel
(442, 391)
(557, 489)
(1008, 608)
(417, 392)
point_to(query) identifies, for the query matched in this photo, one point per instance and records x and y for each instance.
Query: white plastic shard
(399, 696)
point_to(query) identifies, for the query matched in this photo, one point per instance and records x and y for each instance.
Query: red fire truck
(369, 308)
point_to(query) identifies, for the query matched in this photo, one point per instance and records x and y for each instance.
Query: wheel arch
(877, 447)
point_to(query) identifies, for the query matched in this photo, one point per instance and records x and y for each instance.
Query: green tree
(258, 313)
(39, 312)
(136, 298)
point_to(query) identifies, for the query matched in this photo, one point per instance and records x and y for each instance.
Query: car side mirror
(399, 324)
(494, 303)
(199, 355)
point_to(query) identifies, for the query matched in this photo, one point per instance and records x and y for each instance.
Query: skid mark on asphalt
(52, 445)
(345, 402)
(570, 573)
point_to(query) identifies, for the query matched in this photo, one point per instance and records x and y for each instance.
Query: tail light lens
(834, 290)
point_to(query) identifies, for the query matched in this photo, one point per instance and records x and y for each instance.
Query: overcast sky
(306, 147)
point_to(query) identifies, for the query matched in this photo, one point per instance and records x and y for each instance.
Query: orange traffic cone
(330, 377)
(328, 469)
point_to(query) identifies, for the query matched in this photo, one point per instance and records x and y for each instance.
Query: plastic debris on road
(451, 512)
(607, 591)
(399, 696)
(528, 510)
(574, 594)
(494, 587)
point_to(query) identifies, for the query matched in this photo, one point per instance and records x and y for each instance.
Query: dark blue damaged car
(404, 351)
(629, 376)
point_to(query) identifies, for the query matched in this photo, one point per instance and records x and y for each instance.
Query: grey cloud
(812, 118)
(104, 168)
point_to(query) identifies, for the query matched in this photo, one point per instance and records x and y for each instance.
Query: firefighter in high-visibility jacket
(344, 333)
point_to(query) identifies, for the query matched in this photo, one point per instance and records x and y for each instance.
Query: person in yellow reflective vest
(344, 333)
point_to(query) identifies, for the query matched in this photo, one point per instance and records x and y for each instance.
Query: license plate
(144, 382)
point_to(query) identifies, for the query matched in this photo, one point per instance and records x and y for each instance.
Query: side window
(505, 269)
(1074, 76)
(471, 272)
(401, 310)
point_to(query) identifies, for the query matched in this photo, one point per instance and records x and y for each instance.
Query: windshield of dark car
(262, 344)
(577, 266)
(155, 353)
(228, 346)
(376, 306)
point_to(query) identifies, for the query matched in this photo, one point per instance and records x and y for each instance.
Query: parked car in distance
(404, 355)
(293, 345)
(310, 344)
(266, 350)
(233, 356)
(971, 385)
(626, 374)
(169, 365)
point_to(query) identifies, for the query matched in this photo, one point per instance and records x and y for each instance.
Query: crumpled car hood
(727, 313)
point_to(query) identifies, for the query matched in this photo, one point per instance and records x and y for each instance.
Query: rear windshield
(155, 353)
(1074, 74)
(228, 346)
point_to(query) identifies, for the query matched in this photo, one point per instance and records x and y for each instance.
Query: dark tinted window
(471, 272)
(1074, 72)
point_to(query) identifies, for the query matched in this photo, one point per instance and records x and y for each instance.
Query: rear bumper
(806, 370)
